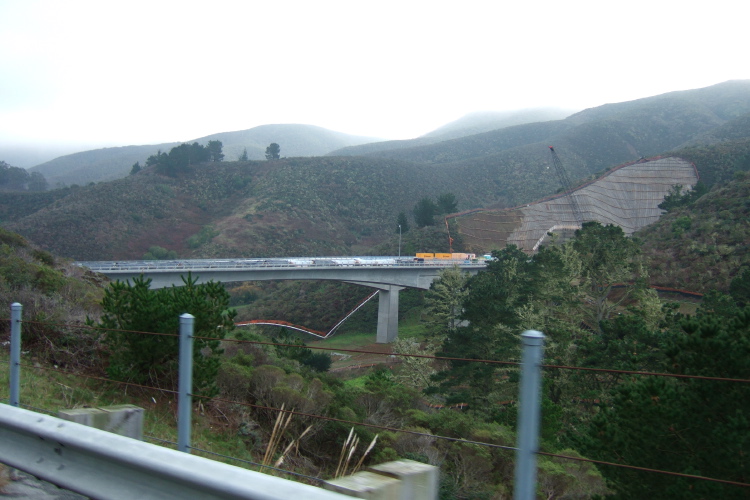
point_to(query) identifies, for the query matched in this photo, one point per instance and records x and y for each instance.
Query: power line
(645, 469)
(362, 424)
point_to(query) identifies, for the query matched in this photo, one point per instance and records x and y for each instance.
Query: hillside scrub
(51, 291)
(703, 245)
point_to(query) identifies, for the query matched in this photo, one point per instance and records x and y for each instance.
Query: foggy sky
(140, 72)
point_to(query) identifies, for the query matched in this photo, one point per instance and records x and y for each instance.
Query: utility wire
(99, 328)
(362, 424)
(94, 377)
(490, 361)
(424, 356)
(645, 469)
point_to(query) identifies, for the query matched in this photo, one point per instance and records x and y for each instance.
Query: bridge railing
(285, 263)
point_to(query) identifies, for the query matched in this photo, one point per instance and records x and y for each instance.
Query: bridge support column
(387, 314)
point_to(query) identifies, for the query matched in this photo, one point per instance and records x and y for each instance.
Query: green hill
(115, 163)
(705, 244)
(293, 206)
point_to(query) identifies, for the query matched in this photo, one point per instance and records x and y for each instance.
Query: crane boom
(565, 181)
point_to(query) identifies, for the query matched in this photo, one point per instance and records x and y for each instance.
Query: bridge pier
(387, 314)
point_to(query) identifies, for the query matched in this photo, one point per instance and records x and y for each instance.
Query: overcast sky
(120, 72)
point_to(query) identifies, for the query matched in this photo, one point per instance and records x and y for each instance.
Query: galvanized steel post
(185, 383)
(528, 416)
(15, 353)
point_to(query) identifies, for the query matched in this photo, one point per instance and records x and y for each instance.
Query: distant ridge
(108, 164)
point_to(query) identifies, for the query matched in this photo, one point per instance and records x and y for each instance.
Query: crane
(565, 181)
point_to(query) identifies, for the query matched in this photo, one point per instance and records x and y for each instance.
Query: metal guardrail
(275, 263)
(103, 465)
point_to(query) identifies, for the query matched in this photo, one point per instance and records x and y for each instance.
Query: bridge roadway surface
(387, 274)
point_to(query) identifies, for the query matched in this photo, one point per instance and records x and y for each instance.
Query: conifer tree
(152, 359)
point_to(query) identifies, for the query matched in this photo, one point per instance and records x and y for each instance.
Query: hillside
(294, 206)
(115, 163)
(98, 165)
(469, 125)
(480, 122)
(53, 290)
(705, 244)
(594, 139)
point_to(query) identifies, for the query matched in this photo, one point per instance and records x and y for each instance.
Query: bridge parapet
(388, 274)
(383, 271)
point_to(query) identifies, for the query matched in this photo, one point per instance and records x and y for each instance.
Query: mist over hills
(115, 163)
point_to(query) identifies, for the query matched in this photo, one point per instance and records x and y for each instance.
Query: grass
(49, 391)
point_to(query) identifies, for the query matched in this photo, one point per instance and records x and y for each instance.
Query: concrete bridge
(388, 274)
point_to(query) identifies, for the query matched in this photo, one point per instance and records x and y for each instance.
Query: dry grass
(4, 477)
(347, 452)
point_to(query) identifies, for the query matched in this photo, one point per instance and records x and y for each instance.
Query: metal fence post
(185, 383)
(15, 353)
(528, 416)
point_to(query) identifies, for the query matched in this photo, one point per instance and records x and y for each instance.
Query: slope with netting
(627, 196)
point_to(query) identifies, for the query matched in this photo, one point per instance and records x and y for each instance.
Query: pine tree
(152, 359)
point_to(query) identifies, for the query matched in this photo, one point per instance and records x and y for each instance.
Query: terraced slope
(627, 196)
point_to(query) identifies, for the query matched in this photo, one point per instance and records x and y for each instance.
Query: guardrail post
(528, 416)
(15, 353)
(185, 383)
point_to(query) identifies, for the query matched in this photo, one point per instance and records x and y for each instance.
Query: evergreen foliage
(19, 179)
(677, 198)
(181, 157)
(273, 151)
(152, 359)
(446, 204)
(159, 253)
(691, 426)
(424, 212)
(214, 149)
(402, 223)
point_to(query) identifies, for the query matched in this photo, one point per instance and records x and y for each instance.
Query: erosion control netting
(627, 196)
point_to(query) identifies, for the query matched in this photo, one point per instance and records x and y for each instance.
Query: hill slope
(294, 206)
(593, 139)
(115, 163)
(469, 125)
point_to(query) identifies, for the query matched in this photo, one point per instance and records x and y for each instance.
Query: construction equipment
(567, 189)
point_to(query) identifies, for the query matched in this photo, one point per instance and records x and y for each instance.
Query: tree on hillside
(37, 182)
(677, 198)
(214, 150)
(403, 222)
(608, 258)
(152, 359)
(180, 157)
(273, 151)
(135, 169)
(159, 253)
(495, 298)
(447, 204)
(243, 156)
(19, 179)
(692, 426)
(424, 212)
(445, 300)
